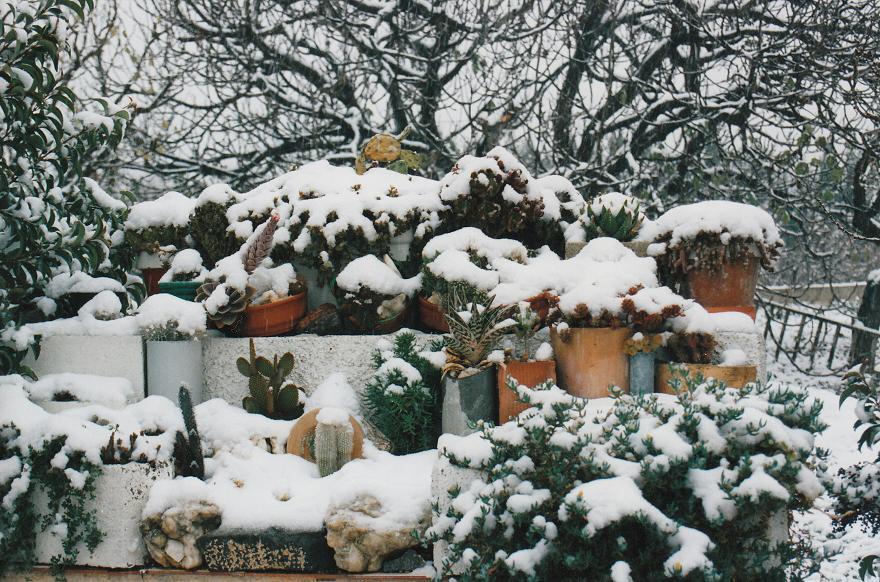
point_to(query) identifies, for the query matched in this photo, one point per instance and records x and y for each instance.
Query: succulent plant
(261, 246)
(613, 215)
(189, 461)
(475, 334)
(269, 395)
(526, 323)
(691, 348)
(229, 314)
(209, 229)
(333, 446)
(384, 149)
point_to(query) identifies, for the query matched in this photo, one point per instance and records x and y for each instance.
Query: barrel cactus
(334, 440)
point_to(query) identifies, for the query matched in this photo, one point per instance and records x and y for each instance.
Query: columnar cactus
(334, 443)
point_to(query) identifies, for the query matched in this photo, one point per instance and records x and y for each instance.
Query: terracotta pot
(185, 290)
(749, 310)
(303, 433)
(528, 374)
(274, 318)
(431, 316)
(733, 376)
(589, 360)
(151, 276)
(728, 288)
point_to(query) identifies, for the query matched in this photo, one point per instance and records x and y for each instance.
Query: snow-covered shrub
(372, 291)
(465, 255)
(654, 488)
(160, 224)
(164, 317)
(209, 225)
(709, 234)
(54, 217)
(185, 266)
(403, 396)
(856, 489)
(691, 348)
(498, 195)
(649, 310)
(613, 215)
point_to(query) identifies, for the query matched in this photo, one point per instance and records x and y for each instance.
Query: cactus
(333, 446)
(188, 458)
(613, 215)
(261, 246)
(267, 395)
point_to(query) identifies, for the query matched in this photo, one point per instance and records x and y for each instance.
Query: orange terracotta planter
(431, 316)
(526, 374)
(732, 288)
(303, 433)
(733, 376)
(276, 318)
(151, 276)
(749, 310)
(589, 360)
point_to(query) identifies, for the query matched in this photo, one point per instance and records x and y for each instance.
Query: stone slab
(267, 551)
(120, 496)
(316, 357)
(118, 355)
(444, 477)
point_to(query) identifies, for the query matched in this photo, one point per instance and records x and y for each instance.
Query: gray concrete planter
(169, 364)
(467, 399)
(120, 496)
(641, 373)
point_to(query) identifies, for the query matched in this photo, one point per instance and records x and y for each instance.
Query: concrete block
(121, 492)
(102, 355)
(750, 342)
(316, 357)
(444, 477)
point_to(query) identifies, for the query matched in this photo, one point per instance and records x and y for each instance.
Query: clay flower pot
(733, 376)
(732, 288)
(151, 276)
(184, 289)
(528, 374)
(302, 434)
(589, 360)
(431, 316)
(275, 318)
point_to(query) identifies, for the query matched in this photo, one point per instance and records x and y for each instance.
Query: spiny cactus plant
(691, 348)
(333, 446)
(267, 395)
(188, 458)
(614, 215)
(474, 334)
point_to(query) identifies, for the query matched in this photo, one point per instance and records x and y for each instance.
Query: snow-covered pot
(170, 363)
(590, 360)
(641, 373)
(729, 287)
(467, 399)
(318, 294)
(275, 318)
(121, 493)
(400, 245)
(151, 276)
(733, 376)
(431, 315)
(529, 374)
(183, 289)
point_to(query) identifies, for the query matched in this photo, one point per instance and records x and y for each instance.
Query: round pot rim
(277, 303)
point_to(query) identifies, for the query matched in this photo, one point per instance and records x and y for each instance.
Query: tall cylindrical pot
(641, 373)
(467, 399)
(528, 374)
(169, 364)
(400, 244)
(318, 294)
(590, 360)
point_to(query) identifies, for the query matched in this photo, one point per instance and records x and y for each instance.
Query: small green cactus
(333, 446)
(188, 458)
(267, 395)
(614, 215)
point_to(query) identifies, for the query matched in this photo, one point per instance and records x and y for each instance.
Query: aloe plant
(475, 326)
(268, 395)
(622, 224)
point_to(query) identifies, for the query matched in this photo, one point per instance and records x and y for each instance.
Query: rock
(406, 562)
(324, 320)
(360, 543)
(268, 550)
(171, 536)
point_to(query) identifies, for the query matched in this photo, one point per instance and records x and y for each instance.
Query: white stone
(121, 492)
(121, 356)
(171, 363)
(315, 357)
(444, 477)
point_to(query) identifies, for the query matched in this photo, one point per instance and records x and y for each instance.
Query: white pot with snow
(65, 391)
(172, 327)
(318, 293)
(400, 244)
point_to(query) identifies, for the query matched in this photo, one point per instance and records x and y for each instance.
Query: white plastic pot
(399, 248)
(169, 364)
(318, 294)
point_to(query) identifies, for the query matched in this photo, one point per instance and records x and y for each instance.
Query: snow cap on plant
(613, 215)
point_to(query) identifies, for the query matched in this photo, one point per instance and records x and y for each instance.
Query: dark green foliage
(188, 458)
(267, 395)
(691, 348)
(555, 465)
(66, 503)
(150, 239)
(402, 409)
(52, 216)
(208, 226)
(471, 338)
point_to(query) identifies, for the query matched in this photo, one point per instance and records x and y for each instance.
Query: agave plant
(474, 326)
(613, 215)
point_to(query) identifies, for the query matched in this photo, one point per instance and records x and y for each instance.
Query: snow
(105, 305)
(368, 272)
(734, 357)
(336, 392)
(164, 310)
(170, 209)
(107, 390)
(406, 369)
(186, 266)
(330, 415)
(544, 352)
(473, 240)
(80, 282)
(721, 217)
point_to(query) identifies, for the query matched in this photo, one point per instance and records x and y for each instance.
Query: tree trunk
(864, 344)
